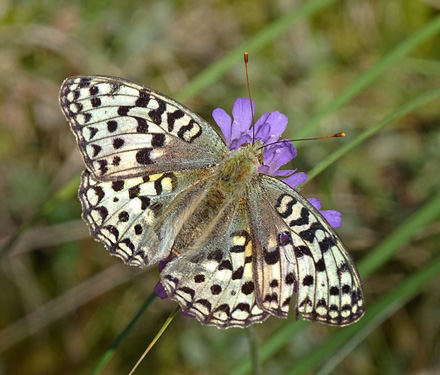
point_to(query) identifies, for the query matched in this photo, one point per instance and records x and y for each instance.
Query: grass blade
(371, 74)
(269, 33)
(156, 338)
(114, 345)
(402, 111)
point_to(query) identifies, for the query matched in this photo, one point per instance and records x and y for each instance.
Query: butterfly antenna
(246, 65)
(337, 135)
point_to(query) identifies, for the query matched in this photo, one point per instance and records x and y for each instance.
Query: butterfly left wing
(214, 278)
(126, 130)
(329, 287)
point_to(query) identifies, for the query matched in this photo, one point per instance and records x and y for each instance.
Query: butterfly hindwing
(126, 130)
(329, 288)
(214, 279)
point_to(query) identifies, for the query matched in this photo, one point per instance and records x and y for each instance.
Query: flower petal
(236, 143)
(242, 112)
(261, 128)
(159, 290)
(276, 155)
(224, 122)
(333, 217)
(295, 180)
(284, 172)
(188, 315)
(278, 123)
(315, 203)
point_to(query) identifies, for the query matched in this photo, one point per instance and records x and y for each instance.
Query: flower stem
(156, 338)
(253, 346)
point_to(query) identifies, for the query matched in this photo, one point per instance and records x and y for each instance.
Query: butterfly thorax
(239, 167)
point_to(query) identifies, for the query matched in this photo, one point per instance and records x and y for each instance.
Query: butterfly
(161, 183)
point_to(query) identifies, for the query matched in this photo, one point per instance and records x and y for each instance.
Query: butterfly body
(159, 180)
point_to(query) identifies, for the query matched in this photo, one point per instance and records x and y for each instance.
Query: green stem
(253, 346)
(156, 338)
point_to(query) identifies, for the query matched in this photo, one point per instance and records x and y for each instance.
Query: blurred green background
(330, 66)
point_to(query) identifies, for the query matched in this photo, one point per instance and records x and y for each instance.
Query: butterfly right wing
(126, 130)
(137, 218)
(329, 287)
(275, 270)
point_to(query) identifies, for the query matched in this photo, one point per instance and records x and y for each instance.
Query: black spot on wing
(172, 117)
(123, 110)
(271, 257)
(117, 185)
(308, 280)
(96, 102)
(112, 125)
(84, 82)
(142, 126)
(118, 143)
(156, 114)
(302, 220)
(247, 288)
(189, 128)
(96, 150)
(143, 99)
(143, 156)
(94, 90)
(93, 132)
(158, 140)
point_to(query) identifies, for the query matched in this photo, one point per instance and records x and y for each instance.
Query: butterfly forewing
(125, 130)
(329, 288)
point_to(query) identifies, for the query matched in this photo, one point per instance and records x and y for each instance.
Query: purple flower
(268, 129)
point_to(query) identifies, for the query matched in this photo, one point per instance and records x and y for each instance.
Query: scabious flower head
(237, 131)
